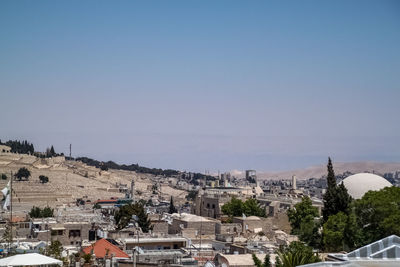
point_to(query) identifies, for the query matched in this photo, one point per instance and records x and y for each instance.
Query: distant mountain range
(340, 167)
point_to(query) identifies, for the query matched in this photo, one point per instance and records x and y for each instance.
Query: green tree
(237, 207)
(233, 208)
(124, 215)
(336, 199)
(172, 208)
(352, 233)
(52, 152)
(43, 179)
(35, 212)
(304, 222)
(251, 207)
(310, 233)
(302, 211)
(87, 258)
(378, 214)
(334, 232)
(340, 233)
(191, 195)
(3, 176)
(278, 262)
(296, 254)
(258, 263)
(267, 261)
(143, 220)
(55, 249)
(23, 173)
(47, 212)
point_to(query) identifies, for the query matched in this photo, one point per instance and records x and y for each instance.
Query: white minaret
(133, 189)
(294, 187)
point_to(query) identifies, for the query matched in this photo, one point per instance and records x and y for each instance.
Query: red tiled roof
(102, 246)
(18, 219)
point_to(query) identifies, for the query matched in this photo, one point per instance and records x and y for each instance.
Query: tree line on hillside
(140, 169)
(21, 147)
(132, 167)
(24, 147)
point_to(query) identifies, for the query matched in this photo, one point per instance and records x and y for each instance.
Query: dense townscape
(179, 133)
(85, 212)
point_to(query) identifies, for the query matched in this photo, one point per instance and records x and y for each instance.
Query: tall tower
(133, 190)
(251, 176)
(294, 187)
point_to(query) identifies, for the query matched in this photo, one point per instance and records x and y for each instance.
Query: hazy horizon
(204, 85)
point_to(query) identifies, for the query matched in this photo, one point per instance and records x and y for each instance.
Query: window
(56, 232)
(74, 233)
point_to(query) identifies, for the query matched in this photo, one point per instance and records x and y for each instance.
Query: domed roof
(359, 184)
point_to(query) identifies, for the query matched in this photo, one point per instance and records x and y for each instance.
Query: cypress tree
(172, 208)
(331, 179)
(336, 198)
(52, 152)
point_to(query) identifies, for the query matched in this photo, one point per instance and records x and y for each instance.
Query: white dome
(359, 184)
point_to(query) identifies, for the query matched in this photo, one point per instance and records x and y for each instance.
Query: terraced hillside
(70, 180)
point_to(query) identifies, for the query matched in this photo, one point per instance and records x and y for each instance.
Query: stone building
(156, 243)
(208, 203)
(69, 233)
(202, 225)
(251, 223)
(228, 228)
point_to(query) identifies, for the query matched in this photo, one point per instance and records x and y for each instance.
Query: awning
(58, 228)
(31, 259)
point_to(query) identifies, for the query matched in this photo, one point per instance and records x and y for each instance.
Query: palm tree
(297, 253)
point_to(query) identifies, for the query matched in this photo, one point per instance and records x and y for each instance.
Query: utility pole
(11, 224)
(70, 147)
(201, 226)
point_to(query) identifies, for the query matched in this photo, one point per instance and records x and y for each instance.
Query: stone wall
(206, 227)
(228, 228)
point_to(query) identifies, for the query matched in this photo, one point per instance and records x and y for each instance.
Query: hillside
(339, 167)
(69, 180)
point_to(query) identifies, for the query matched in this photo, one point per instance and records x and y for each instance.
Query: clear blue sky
(196, 85)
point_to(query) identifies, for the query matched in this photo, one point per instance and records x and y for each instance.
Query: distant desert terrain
(339, 167)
